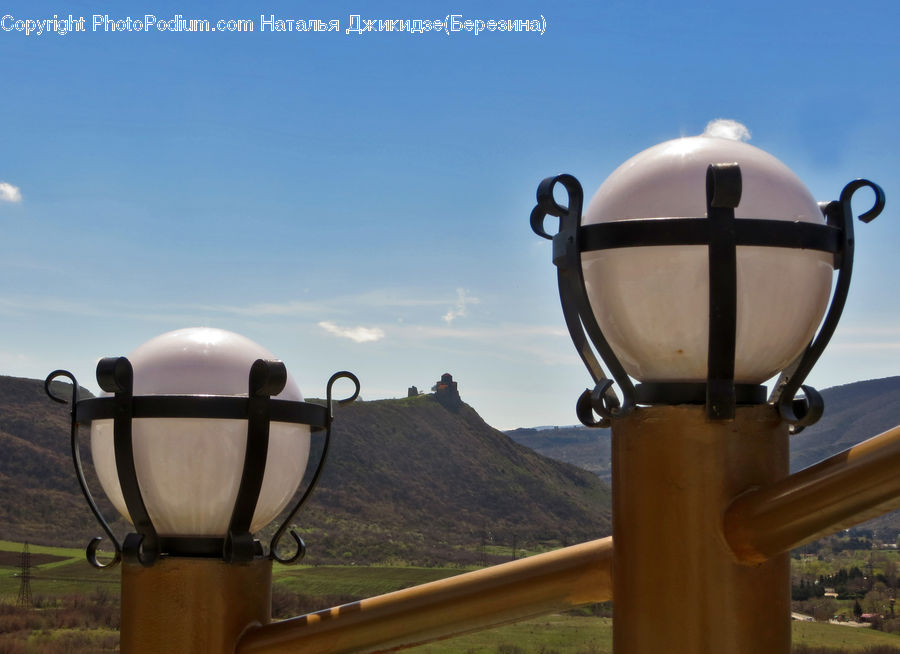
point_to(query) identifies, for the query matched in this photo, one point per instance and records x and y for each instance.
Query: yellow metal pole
(540, 584)
(192, 605)
(678, 588)
(855, 485)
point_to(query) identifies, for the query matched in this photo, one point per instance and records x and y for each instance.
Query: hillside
(853, 413)
(587, 448)
(406, 480)
(40, 501)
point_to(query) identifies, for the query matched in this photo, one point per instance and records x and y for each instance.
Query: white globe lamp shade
(189, 469)
(652, 302)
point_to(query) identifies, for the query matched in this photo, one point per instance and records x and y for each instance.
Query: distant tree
(877, 600)
(823, 609)
(800, 592)
(890, 572)
(857, 610)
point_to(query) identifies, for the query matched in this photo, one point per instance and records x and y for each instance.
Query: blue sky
(361, 201)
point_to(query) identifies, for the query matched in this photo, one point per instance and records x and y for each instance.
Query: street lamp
(200, 440)
(701, 268)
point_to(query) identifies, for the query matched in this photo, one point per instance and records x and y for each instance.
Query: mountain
(414, 470)
(587, 448)
(414, 479)
(40, 501)
(853, 413)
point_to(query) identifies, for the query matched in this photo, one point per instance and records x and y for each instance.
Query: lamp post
(201, 440)
(701, 268)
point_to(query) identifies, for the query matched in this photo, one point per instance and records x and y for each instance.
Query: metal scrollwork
(853, 187)
(579, 316)
(298, 541)
(92, 548)
(805, 411)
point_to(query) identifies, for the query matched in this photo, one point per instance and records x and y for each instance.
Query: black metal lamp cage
(722, 233)
(267, 378)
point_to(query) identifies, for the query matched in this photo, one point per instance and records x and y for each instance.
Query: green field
(817, 634)
(359, 582)
(566, 634)
(561, 634)
(66, 572)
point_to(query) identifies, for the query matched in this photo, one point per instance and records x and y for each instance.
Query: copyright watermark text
(353, 25)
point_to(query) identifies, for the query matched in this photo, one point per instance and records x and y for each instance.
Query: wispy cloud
(548, 344)
(378, 299)
(878, 346)
(288, 308)
(463, 299)
(357, 334)
(497, 332)
(9, 193)
(341, 307)
(866, 338)
(870, 331)
(724, 128)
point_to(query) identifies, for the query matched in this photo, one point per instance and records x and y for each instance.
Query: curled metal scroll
(853, 187)
(579, 315)
(93, 546)
(598, 402)
(802, 412)
(298, 541)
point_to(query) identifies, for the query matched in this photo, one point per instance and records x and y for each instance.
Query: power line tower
(483, 555)
(24, 599)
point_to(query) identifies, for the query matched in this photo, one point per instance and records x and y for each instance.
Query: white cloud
(9, 193)
(460, 309)
(358, 334)
(724, 128)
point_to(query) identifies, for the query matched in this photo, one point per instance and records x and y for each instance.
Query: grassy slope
(832, 635)
(580, 635)
(356, 581)
(554, 633)
(70, 574)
